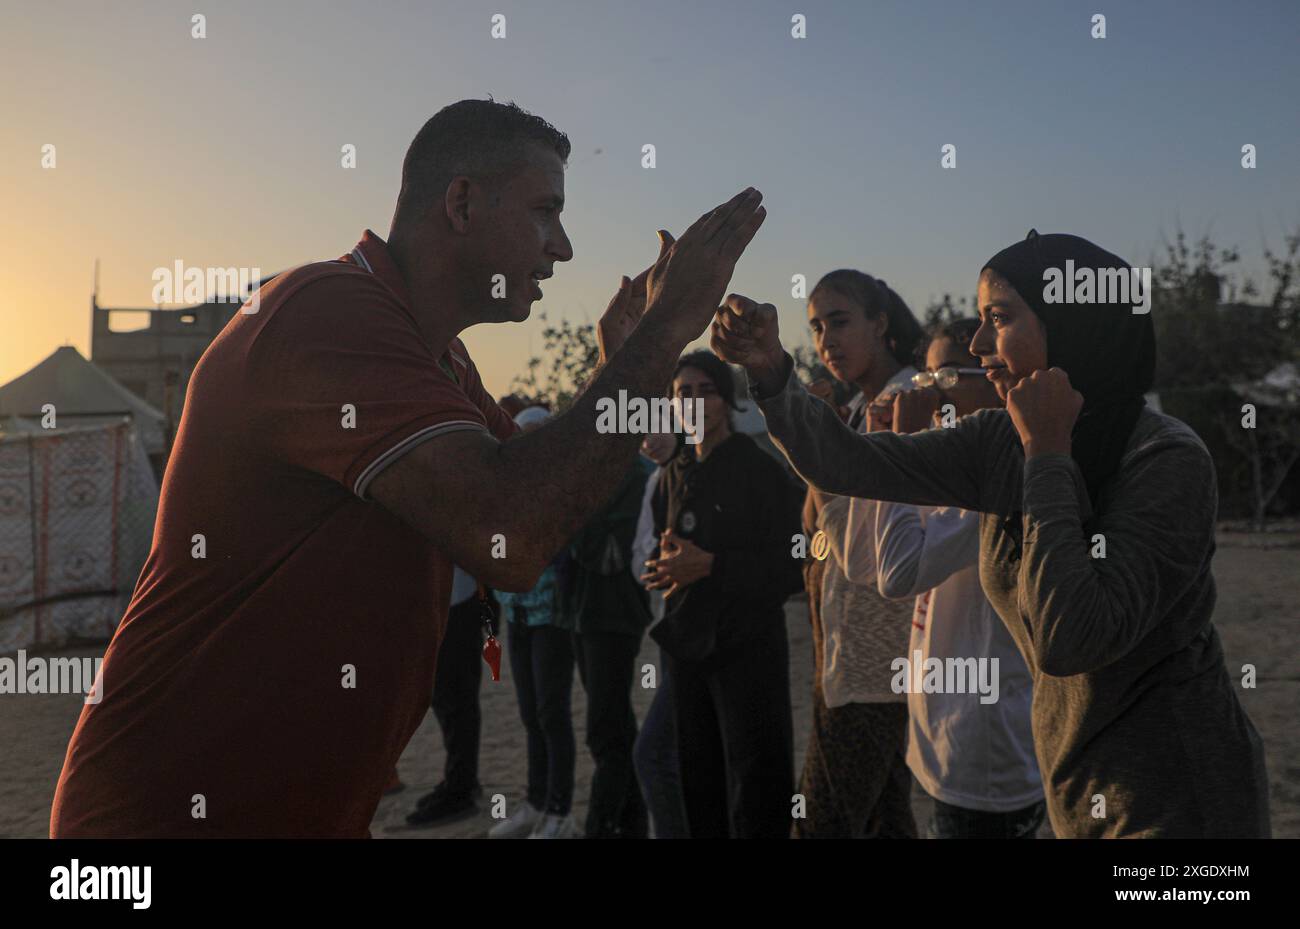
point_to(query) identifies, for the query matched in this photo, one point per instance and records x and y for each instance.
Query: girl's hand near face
(880, 416)
(821, 389)
(914, 409)
(1044, 408)
(659, 447)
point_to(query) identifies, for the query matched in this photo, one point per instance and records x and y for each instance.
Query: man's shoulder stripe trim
(404, 446)
(361, 260)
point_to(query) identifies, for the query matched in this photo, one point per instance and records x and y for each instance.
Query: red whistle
(492, 655)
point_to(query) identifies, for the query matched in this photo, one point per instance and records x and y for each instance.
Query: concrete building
(152, 352)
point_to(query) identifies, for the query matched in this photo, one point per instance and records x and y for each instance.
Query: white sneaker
(519, 825)
(554, 826)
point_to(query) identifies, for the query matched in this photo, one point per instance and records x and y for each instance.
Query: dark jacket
(740, 505)
(602, 592)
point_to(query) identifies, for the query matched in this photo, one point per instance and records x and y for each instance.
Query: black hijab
(1108, 351)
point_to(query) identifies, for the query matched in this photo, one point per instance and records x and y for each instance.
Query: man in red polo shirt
(336, 454)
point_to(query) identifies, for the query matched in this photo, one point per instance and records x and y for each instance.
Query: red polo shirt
(266, 678)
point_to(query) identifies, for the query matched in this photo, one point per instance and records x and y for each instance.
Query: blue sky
(225, 151)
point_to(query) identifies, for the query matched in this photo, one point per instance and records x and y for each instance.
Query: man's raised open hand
(465, 490)
(626, 308)
(692, 273)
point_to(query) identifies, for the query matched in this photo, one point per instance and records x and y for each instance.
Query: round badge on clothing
(687, 521)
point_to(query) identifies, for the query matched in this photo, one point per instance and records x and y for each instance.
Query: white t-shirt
(963, 751)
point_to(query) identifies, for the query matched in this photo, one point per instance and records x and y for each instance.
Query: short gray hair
(482, 139)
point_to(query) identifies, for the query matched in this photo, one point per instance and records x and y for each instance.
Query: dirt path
(1259, 605)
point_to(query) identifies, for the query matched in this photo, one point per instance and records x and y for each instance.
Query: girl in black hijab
(1107, 349)
(1096, 536)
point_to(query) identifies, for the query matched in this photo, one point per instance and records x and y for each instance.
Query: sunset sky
(226, 150)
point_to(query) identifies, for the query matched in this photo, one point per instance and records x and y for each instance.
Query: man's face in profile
(522, 237)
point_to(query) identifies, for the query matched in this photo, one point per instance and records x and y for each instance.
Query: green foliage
(1205, 337)
(1284, 272)
(570, 358)
(945, 311)
(1208, 346)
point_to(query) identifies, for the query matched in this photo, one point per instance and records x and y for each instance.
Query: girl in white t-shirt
(972, 750)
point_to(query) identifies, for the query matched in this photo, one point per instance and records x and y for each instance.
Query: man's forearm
(561, 474)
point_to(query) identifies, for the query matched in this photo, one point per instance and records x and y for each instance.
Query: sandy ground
(1259, 604)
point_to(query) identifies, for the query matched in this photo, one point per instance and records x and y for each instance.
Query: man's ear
(456, 204)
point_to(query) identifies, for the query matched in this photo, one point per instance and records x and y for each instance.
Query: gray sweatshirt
(1137, 726)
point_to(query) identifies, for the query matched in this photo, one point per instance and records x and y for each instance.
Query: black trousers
(541, 660)
(955, 822)
(455, 693)
(607, 666)
(735, 740)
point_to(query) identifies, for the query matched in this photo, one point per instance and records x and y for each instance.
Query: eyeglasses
(944, 378)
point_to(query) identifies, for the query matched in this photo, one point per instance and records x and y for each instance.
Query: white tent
(81, 394)
(77, 508)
